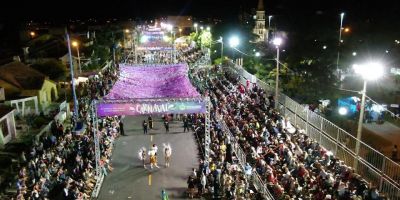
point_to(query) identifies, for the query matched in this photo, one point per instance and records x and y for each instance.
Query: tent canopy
(143, 89)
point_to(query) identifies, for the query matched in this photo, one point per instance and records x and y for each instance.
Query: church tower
(260, 29)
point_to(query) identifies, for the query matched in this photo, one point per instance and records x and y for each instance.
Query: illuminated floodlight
(277, 41)
(144, 39)
(369, 71)
(343, 111)
(234, 41)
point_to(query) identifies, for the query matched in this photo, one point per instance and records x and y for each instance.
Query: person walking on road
(142, 156)
(150, 119)
(167, 154)
(185, 125)
(121, 127)
(144, 126)
(166, 124)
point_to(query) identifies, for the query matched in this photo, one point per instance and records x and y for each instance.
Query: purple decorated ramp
(164, 81)
(142, 90)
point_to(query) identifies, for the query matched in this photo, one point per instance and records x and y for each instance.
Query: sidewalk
(388, 131)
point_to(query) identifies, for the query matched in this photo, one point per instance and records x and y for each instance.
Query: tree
(52, 68)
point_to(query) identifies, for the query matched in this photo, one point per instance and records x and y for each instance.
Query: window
(4, 127)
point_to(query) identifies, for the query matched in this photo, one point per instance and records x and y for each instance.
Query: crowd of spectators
(190, 55)
(292, 165)
(61, 164)
(219, 177)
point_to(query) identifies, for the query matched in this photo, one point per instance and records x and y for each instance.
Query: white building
(260, 30)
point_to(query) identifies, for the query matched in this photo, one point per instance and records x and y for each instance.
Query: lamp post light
(76, 45)
(369, 71)
(233, 43)
(71, 66)
(32, 34)
(277, 42)
(208, 28)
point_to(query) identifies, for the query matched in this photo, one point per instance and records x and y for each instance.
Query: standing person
(191, 185)
(142, 156)
(167, 154)
(121, 127)
(150, 119)
(185, 125)
(166, 124)
(144, 126)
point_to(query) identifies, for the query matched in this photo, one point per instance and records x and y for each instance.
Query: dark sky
(58, 9)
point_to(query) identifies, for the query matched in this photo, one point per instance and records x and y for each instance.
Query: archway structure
(150, 89)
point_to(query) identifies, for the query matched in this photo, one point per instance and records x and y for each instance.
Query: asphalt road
(129, 180)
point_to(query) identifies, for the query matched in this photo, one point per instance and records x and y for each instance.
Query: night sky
(56, 9)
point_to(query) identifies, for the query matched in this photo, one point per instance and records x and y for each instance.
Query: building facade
(260, 29)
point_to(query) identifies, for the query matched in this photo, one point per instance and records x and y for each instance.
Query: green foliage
(205, 38)
(39, 122)
(52, 68)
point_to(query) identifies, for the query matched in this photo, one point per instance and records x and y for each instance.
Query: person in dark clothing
(121, 127)
(185, 125)
(166, 124)
(150, 119)
(144, 126)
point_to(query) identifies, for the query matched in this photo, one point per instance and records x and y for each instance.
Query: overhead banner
(146, 108)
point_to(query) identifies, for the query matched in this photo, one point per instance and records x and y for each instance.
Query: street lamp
(369, 71)
(201, 27)
(257, 54)
(277, 42)
(234, 41)
(32, 34)
(76, 45)
(208, 28)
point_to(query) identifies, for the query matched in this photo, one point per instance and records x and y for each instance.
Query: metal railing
(372, 165)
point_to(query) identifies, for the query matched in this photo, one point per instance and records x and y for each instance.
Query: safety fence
(372, 165)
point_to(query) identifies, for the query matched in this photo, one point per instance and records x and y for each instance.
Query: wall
(10, 90)
(11, 128)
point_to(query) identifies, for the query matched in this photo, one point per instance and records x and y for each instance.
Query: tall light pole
(71, 67)
(369, 71)
(76, 45)
(195, 27)
(221, 40)
(233, 43)
(125, 40)
(277, 42)
(340, 41)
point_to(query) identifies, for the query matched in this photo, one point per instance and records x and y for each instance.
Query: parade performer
(153, 159)
(167, 154)
(142, 156)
